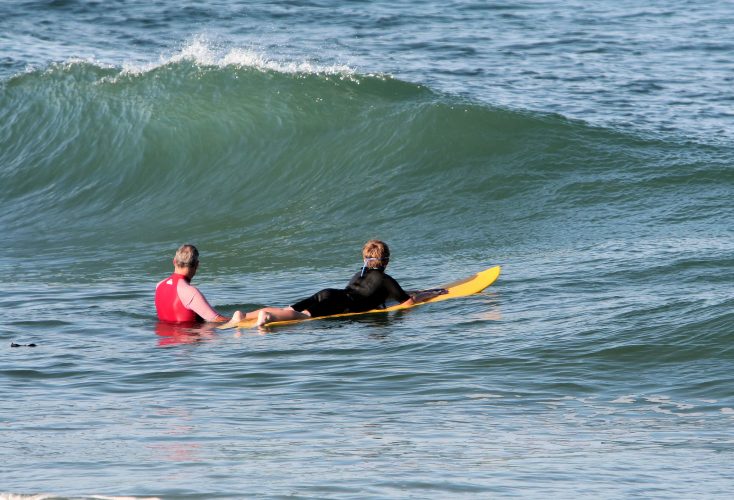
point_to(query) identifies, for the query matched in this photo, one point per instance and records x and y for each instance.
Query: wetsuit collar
(367, 263)
(184, 277)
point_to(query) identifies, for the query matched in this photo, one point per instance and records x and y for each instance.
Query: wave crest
(203, 52)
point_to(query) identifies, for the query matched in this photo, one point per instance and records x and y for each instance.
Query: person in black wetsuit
(368, 289)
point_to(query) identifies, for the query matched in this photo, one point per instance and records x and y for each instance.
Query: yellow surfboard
(468, 286)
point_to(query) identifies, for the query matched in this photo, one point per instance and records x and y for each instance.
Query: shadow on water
(379, 322)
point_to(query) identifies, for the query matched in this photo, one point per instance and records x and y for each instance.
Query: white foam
(625, 399)
(203, 52)
(484, 396)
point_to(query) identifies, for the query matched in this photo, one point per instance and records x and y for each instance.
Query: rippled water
(586, 148)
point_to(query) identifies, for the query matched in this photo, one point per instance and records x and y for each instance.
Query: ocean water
(586, 147)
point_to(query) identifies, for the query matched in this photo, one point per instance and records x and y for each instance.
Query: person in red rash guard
(176, 300)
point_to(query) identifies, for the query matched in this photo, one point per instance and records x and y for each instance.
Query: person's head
(375, 254)
(187, 259)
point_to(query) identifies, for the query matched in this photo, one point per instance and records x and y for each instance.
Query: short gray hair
(186, 256)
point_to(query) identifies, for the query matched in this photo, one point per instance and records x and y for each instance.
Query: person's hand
(425, 295)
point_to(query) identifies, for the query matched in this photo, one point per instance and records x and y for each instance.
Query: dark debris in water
(13, 344)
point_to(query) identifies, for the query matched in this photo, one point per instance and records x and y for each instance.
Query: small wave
(203, 52)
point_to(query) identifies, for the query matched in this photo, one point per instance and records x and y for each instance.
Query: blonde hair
(376, 249)
(186, 256)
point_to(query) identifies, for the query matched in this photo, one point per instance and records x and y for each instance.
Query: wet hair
(186, 256)
(377, 250)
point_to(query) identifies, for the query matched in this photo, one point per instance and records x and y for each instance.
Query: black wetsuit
(364, 292)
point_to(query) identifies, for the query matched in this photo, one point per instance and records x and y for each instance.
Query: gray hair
(186, 256)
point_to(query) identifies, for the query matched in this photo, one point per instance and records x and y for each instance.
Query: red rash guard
(177, 301)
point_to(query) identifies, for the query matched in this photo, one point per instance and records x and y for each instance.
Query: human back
(176, 300)
(372, 288)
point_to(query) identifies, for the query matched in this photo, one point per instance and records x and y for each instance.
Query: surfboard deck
(462, 288)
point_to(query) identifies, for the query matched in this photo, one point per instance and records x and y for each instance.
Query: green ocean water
(598, 365)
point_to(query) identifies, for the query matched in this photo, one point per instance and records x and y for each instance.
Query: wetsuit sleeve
(394, 290)
(193, 299)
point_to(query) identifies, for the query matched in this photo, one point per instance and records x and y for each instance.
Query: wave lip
(202, 52)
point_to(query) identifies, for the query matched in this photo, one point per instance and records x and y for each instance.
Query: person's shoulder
(184, 285)
(164, 280)
(392, 280)
(379, 274)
